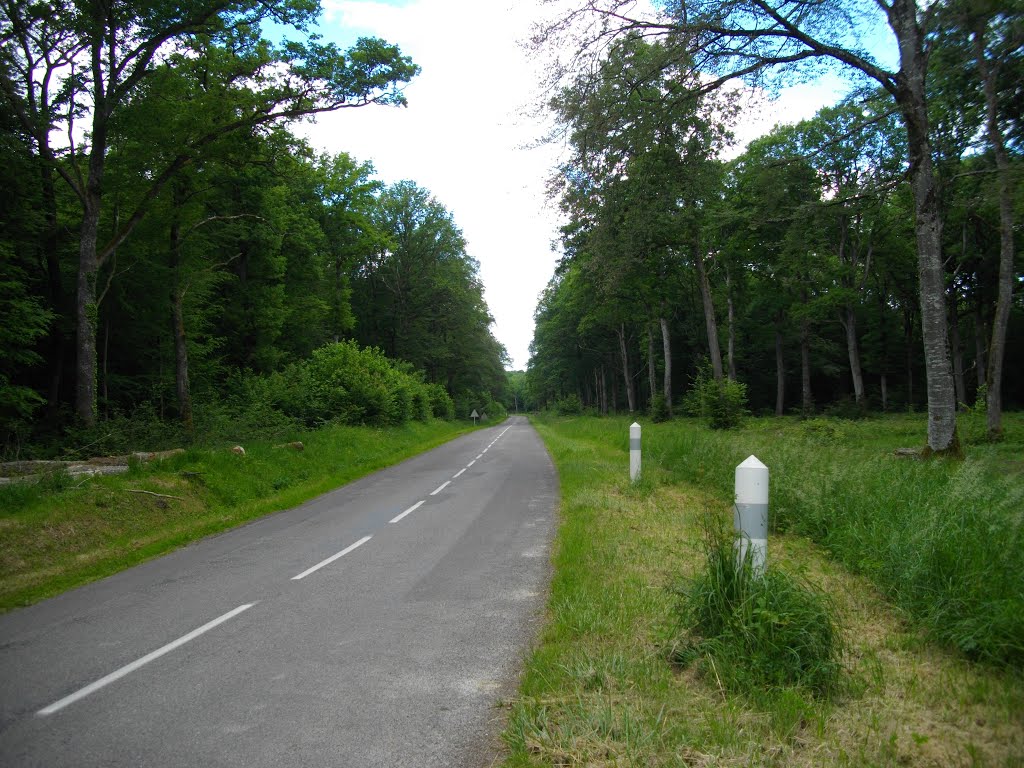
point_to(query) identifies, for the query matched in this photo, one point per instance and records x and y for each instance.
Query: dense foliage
(181, 253)
(805, 266)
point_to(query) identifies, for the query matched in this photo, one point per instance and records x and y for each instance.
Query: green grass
(62, 532)
(601, 687)
(757, 632)
(943, 539)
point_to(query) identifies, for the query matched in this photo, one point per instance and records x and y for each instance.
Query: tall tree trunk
(849, 322)
(908, 337)
(710, 324)
(181, 379)
(960, 386)
(806, 398)
(885, 394)
(55, 290)
(627, 374)
(86, 313)
(666, 347)
(614, 401)
(604, 393)
(731, 341)
(652, 373)
(86, 305)
(980, 351)
(1004, 300)
(910, 97)
(780, 371)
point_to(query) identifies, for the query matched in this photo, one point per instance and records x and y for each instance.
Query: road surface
(377, 625)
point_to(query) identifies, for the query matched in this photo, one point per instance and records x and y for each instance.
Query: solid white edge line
(332, 558)
(127, 669)
(458, 473)
(440, 488)
(410, 510)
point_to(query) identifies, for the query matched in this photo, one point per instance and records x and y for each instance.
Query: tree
(767, 41)
(637, 187)
(997, 36)
(420, 299)
(107, 51)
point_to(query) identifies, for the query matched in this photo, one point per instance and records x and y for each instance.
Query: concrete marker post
(634, 452)
(750, 517)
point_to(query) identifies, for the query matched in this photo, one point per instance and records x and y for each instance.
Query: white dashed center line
(127, 669)
(331, 559)
(410, 510)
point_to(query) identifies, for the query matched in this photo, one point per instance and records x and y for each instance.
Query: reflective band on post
(751, 519)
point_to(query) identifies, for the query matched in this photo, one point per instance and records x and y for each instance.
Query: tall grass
(943, 539)
(600, 687)
(753, 632)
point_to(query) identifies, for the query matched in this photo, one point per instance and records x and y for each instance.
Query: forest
(862, 259)
(176, 264)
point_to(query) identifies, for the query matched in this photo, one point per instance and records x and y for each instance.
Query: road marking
(485, 450)
(440, 488)
(127, 669)
(410, 510)
(458, 473)
(478, 457)
(471, 464)
(332, 558)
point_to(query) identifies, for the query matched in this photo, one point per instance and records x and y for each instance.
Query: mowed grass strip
(600, 688)
(62, 532)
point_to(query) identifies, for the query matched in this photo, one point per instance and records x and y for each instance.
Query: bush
(569, 405)
(339, 383)
(757, 632)
(722, 403)
(441, 404)
(659, 409)
(847, 408)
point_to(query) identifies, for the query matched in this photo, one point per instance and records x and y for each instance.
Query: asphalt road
(377, 625)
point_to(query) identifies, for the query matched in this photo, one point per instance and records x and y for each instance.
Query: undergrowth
(753, 632)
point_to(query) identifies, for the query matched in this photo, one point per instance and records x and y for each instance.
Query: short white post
(751, 513)
(634, 452)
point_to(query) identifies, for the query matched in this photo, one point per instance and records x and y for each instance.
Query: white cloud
(463, 136)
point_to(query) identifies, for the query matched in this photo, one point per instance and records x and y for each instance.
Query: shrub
(847, 408)
(659, 409)
(757, 632)
(441, 404)
(722, 403)
(569, 405)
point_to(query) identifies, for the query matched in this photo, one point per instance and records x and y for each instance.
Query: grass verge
(600, 689)
(61, 532)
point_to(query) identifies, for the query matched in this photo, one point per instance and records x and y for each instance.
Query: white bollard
(750, 517)
(634, 452)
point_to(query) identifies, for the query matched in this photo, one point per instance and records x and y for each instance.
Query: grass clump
(754, 632)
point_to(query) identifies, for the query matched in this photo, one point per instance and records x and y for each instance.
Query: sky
(468, 137)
